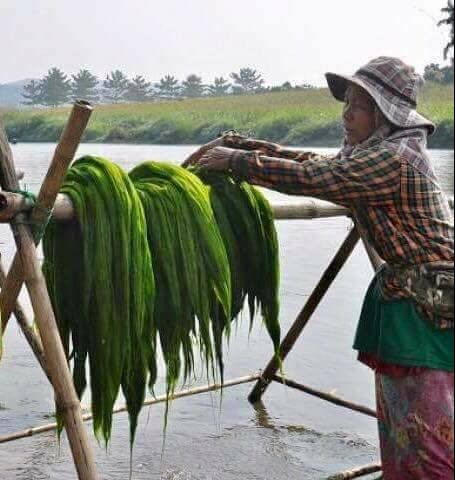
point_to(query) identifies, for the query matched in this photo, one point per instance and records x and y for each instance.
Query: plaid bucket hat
(393, 85)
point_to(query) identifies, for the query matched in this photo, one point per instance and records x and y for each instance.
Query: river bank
(307, 117)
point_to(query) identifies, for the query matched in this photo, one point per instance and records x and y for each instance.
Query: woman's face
(359, 115)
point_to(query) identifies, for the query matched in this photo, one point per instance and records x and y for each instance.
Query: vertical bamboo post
(63, 156)
(52, 345)
(305, 315)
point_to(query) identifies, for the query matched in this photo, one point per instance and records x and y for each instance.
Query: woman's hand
(194, 158)
(217, 159)
(230, 139)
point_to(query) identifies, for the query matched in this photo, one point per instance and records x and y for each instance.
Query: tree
(437, 74)
(449, 74)
(168, 86)
(193, 87)
(307, 86)
(32, 93)
(219, 88)
(286, 87)
(55, 88)
(115, 86)
(247, 81)
(449, 20)
(85, 86)
(138, 90)
(433, 73)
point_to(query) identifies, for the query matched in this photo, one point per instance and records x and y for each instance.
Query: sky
(285, 40)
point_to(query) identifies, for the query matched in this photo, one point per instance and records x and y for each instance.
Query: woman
(385, 176)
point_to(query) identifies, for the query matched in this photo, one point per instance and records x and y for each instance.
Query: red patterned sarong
(416, 426)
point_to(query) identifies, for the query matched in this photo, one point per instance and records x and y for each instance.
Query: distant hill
(10, 93)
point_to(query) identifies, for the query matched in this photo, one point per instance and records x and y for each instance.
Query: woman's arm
(373, 176)
(268, 149)
(238, 142)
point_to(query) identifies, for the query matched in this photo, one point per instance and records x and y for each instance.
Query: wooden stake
(53, 349)
(63, 156)
(302, 320)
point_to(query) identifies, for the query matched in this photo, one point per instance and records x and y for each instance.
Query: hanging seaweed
(190, 263)
(246, 222)
(157, 260)
(100, 277)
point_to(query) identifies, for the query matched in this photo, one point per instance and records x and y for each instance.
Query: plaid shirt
(387, 182)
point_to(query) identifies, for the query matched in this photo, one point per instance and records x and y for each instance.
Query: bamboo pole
(302, 320)
(29, 333)
(328, 397)
(63, 156)
(357, 473)
(52, 427)
(53, 350)
(307, 209)
(375, 259)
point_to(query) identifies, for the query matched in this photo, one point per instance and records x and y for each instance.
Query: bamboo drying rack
(21, 213)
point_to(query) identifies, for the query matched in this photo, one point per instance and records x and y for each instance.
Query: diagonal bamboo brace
(29, 333)
(305, 315)
(52, 345)
(64, 155)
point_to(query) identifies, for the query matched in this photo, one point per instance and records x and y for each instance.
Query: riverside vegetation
(300, 117)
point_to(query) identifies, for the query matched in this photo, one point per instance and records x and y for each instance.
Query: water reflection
(263, 418)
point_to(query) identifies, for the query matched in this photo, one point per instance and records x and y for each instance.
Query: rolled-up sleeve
(372, 175)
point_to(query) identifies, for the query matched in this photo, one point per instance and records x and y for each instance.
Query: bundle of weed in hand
(157, 260)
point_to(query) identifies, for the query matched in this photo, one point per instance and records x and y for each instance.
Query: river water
(292, 436)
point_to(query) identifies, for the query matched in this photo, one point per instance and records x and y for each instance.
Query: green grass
(295, 118)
